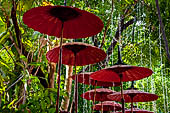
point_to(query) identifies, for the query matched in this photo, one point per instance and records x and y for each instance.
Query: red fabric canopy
(138, 96)
(101, 94)
(85, 79)
(85, 54)
(136, 110)
(129, 73)
(76, 23)
(108, 106)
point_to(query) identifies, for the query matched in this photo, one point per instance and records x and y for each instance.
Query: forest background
(28, 80)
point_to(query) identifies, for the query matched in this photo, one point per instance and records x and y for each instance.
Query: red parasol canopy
(136, 110)
(136, 95)
(129, 73)
(84, 53)
(108, 106)
(133, 95)
(101, 94)
(121, 73)
(76, 23)
(85, 79)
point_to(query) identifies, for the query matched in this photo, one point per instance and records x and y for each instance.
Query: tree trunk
(51, 76)
(51, 68)
(68, 86)
(163, 31)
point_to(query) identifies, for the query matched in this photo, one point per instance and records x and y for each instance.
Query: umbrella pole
(122, 100)
(94, 94)
(76, 86)
(131, 104)
(59, 70)
(102, 106)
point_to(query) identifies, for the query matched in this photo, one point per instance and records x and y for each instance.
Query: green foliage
(140, 45)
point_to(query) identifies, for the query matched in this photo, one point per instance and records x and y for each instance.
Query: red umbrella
(138, 96)
(85, 79)
(99, 94)
(74, 22)
(121, 73)
(133, 95)
(63, 21)
(77, 54)
(108, 106)
(125, 72)
(137, 110)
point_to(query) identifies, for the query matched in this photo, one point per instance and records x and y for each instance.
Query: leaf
(20, 64)
(52, 110)
(23, 58)
(52, 89)
(35, 34)
(4, 64)
(7, 6)
(1, 81)
(43, 104)
(48, 101)
(35, 64)
(46, 93)
(2, 26)
(47, 4)
(11, 103)
(4, 36)
(27, 4)
(35, 78)
(52, 97)
(11, 73)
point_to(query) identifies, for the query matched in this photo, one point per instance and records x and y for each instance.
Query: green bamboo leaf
(52, 97)
(2, 26)
(4, 64)
(11, 103)
(43, 104)
(27, 4)
(48, 101)
(11, 73)
(35, 64)
(1, 81)
(46, 93)
(20, 64)
(23, 58)
(3, 37)
(52, 110)
(35, 79)
(52, 89)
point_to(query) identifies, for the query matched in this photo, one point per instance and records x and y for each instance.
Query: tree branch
(106, 28)
(114, 41)
(15, 82)
(14, 20)
(163, 31)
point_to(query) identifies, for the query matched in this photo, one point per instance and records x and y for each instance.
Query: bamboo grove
(28, 80)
